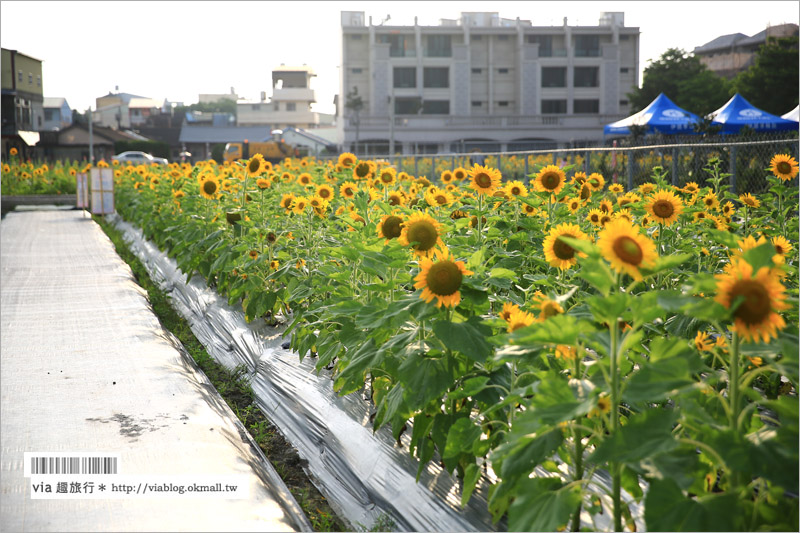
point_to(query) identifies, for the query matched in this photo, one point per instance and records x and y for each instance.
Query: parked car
(139, 158)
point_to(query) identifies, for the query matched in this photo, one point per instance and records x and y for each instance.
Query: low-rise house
(57, 114)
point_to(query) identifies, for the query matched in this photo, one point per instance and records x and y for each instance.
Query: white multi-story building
(482, 82)
(290, 105)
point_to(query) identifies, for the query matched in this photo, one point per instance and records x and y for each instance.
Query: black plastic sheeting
(364, 474)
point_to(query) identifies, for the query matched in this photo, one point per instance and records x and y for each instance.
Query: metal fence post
(733, 169)
(675, 153)
(526, 168)
(416, 168)
(631, 162)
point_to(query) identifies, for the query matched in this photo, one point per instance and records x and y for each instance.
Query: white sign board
(82, 190)
(102, 191)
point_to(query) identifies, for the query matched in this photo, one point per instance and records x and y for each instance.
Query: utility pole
(91, 138)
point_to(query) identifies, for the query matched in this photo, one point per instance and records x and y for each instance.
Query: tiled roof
(722, 42)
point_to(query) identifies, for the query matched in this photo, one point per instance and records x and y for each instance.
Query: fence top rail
(583, 150)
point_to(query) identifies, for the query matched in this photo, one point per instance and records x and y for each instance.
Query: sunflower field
(534, 334)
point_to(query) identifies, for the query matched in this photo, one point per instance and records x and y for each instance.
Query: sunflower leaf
(467, 337)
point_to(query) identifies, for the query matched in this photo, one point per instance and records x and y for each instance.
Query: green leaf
(425, 379)
(663, 375)
(521, 456)
(559, 329)
(503, 273)
(667, 509)
(470, 387)
(725, 238)
(597, 274)
(608, 309)
(646, 434)
(467, 337)
(461, 437)
(542, 504)
(471, 476)
(582, 245)
(760, 256)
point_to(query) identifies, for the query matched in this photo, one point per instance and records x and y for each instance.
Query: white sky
(177, 50)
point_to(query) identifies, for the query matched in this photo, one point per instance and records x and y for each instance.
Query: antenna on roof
(388, 17)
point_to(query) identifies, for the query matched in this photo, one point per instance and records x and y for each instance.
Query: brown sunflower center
(516, 191)
(441, 199)
(209, 187)
(628, 250)
(563, 250)
(253, 166)
(324, 193)
(551, 181)
(386, 177)
(755, 306)
(784, 167)
(271, 237)
(550, 309)
(586, 192)
(362, 170)
(663, 208)
(708, 201)
(424, 234)
(391, 227)
(594, 217)
(483, 180)
(444, 278)
(349, 192)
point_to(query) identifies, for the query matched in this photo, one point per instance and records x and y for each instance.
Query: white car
(139, 158)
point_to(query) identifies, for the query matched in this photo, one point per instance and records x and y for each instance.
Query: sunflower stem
(615, 466)
(480, 218)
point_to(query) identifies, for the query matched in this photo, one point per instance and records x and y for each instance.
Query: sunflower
(209, 187)
(749, 200)
(318, 202)
(253, 254)
(263, 183)
(623, 213)
(519, 319)
(396, 198)
(728, 209)
(664, 207)
(573, 204)
(438, 197)
(625, 248)
(557, 252)
(325, 192)
(13, 151)
(441, 279)
(647, 188)
(299, 204)
(178, 194)
(387, 176)
(549, 308)
(690, 188)
(390, 227)
(286, 201)
(347, 160)
(550, 179)
(305, 179)
(446, 177)
(422, 233)
(566, 352)
(710, 201)
(782, 246)
(606, 207)
(348, 189)
(363, 170)
(508, 309)
(594, 216)
(628, 199)
(460, 174)
(256, 166)
(529, 210)
(702, 341)
(616, 188)
(700, 215)
(485, 180)
(760, 296)
(596, 181)
(784, 166)
(579, 178)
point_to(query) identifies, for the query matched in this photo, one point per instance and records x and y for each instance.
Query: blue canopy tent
(794, 114)
(738, 113)
(661, 116)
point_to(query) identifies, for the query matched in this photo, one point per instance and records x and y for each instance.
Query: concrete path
(86, 367)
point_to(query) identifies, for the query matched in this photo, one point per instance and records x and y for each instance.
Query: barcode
(50, 464)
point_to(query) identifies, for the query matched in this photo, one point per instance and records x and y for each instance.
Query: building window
(38, 81)
(407, 106)
(399, 45)
(554, 76)
(623, 102)
(477, 37)
(624, 70)
(255, 107)
(357, 70)
(502, 37)
(476, 103)
(545, 43)
(438, 46)
(502, 71)
(436, 77)
(477, 70)
(356, 37)
(624, 37)
(291, 106)
(502, 103)
(49, 114)
(19, 76)
(587, 107)
(554, 107)
(436, 107)
(30, 78)
(586, 77)
(405, 77)
(587, 46)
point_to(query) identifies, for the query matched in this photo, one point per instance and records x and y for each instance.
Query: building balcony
(294, 94)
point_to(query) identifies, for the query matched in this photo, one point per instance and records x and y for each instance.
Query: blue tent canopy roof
(661, 116)
(738, 112)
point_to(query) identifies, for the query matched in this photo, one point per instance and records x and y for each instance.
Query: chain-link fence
(631, 163)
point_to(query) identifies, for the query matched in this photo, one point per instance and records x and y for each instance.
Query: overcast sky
(177, 50)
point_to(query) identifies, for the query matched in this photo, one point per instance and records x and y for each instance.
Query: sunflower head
(596, 181)
(422, 233)
(519, 319)
(749, 200)
(702, 341)
(784, 166)
(508, 309)
(441, 279)
(484, 180)
(625, 248)
(390, 227)
(664, 207)
(209, 187)
(256, 166)
(347, 160)
(550, 179)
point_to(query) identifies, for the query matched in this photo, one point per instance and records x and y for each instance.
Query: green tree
(771, 83)
(685, 80)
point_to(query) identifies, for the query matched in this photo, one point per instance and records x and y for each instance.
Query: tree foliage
(771, 83)
(684, 80)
